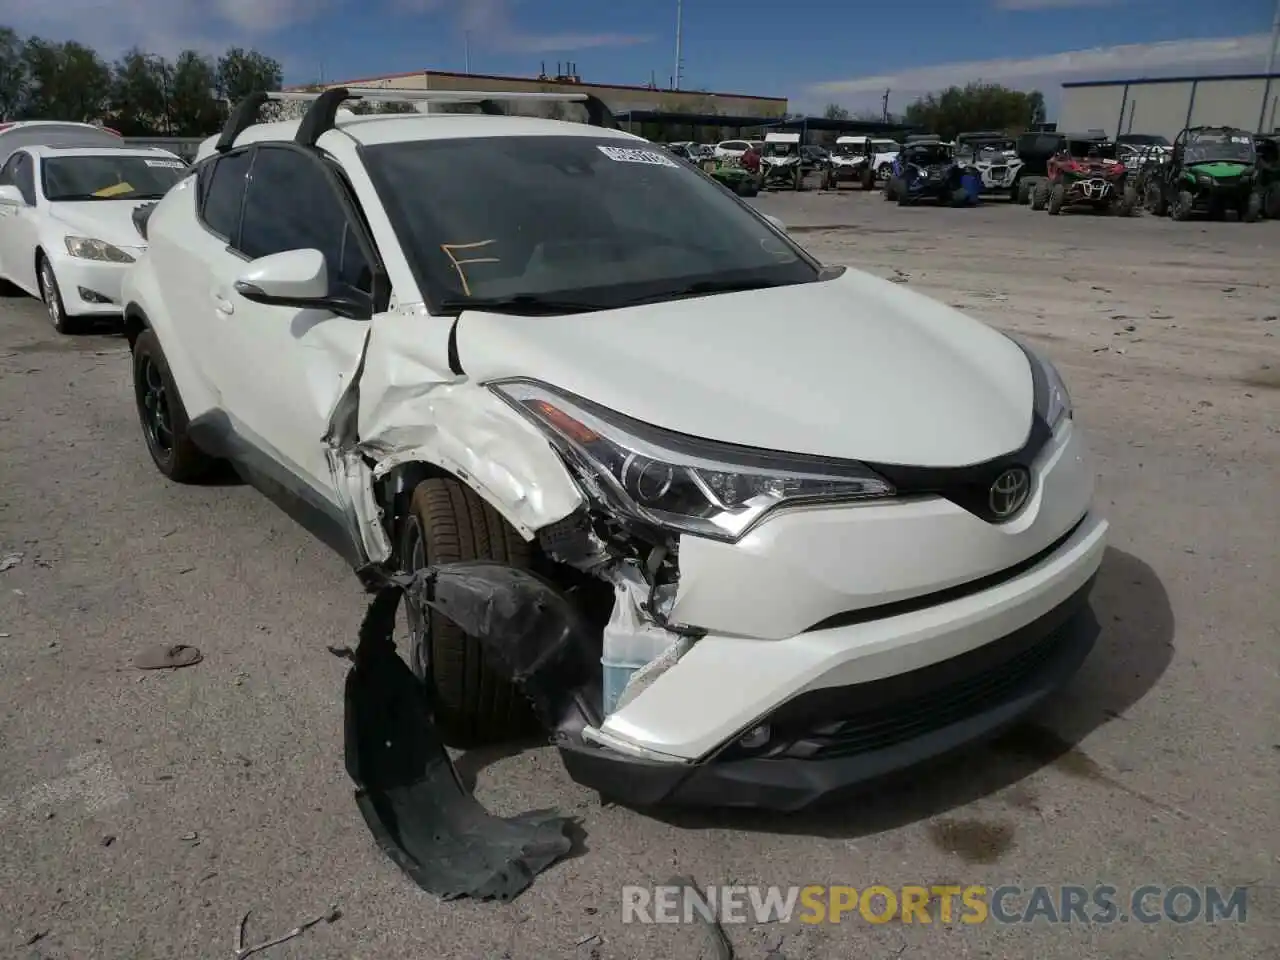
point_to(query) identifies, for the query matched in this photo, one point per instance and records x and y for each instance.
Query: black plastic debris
(167, 656)
(408, 791)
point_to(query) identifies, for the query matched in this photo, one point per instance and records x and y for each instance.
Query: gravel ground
(141, 814)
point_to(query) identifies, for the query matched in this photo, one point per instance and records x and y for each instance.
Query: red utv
(1086, 172)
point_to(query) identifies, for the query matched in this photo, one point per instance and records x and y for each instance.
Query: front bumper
(90, 288)
(840, 740)
(847, 599)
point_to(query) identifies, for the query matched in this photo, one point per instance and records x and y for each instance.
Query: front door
(18, 225)
(281, 370)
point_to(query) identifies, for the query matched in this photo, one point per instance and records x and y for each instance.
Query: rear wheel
(1155, 200)
(1022, 192)
(448, 523)
(1039, 195)
(1126, 203)
(162, 416)
(868, 178)
(1271, 205)
(959, 197)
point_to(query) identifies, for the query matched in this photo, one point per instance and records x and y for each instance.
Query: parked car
(731, 149)
(927, 169)
(1210, 170)
(1085, 172)
(67, 228)
(852, 161)
(30, 133)
(586, 360)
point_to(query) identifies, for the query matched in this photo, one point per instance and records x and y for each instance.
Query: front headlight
(1052, 400)
(681, 483)
(86, 248)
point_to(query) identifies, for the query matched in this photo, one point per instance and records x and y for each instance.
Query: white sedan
(67, 229)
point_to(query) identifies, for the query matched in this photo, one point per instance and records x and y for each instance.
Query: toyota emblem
(1009, 493)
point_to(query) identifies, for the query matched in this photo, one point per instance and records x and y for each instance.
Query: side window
(6, 172)
(222, 193)
(291, 205)
(24, 177)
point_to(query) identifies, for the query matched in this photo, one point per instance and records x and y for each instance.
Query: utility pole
(466, 51)
(884, 106)
(1271, 66)
(675, 83)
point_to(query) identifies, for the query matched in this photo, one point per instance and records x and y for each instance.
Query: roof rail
(323, 112)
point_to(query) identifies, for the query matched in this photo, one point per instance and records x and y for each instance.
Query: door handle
(223, 305)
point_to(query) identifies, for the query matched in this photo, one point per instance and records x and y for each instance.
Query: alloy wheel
(153, 408)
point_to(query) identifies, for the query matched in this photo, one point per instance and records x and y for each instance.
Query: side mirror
(299, 279)
(778, 224)
(11, 196)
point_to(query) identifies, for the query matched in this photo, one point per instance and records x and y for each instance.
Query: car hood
(1219, 168)
(854, 367)
(109, 220)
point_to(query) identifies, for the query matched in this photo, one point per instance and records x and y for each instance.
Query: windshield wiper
(705, 287)
(523, 305)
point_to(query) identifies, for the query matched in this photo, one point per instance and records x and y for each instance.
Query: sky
(826, 51)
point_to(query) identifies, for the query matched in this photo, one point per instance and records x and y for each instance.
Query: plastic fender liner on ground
(407, 788)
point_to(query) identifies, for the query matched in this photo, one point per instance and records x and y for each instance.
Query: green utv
(1211, 170)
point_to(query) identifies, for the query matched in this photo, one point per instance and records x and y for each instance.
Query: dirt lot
(141, 814)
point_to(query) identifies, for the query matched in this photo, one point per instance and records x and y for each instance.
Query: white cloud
(1221, 55)
(1053, 4)
(492, 24)
(159, 26)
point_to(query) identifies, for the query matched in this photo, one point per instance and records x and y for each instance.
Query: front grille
(890, 725)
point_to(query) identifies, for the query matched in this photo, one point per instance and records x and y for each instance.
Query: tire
(1057, 199)
(1252, 211)
(1181, 208)
(888, 189)
(51, 294)
(1040, 195)
(162, 415)
(474, 705)
(868, 178)
(904, 198)
(1126, 203)
(959, 197)
(1155, 200)
(1271, 205)
(1022, 193)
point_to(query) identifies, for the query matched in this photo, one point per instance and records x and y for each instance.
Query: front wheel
(1252, 211)
(448, 523)
(1181, 207)
(1022, 193)
(1155, 200)
(1040, 195)
(868, 178)
(1271, 205)
(51, 294)
(162, 416)
(1057, 199)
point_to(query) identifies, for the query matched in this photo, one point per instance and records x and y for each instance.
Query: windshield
(884, 146)
(848, 149)
(109, 177)
(587, 222)
(779, 149)
(1220, 145)
(992, 146)
(927, 153)
(1092, 149)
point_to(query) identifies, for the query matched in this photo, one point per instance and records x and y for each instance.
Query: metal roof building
(1164, 106)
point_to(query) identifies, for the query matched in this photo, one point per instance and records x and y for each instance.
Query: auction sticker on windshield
(167, 164)
(631, 155)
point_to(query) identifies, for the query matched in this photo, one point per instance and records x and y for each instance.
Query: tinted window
(220, 207)
(111, 176)
(604, 221)
(6, 172)
(292, 205)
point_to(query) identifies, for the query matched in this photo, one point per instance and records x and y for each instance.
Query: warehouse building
(1166, 106)
(619, 98)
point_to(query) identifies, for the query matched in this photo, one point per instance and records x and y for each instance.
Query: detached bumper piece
(832, 742)
(407, 788)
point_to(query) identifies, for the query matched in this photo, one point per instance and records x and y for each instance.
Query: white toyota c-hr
(825, 528)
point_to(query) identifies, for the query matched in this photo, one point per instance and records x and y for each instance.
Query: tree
(13, 75)
(241, 72)
(978, 106)
(1035, 100)
(140, 95)
(66, 81)
(835, 112)
(193, 110)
